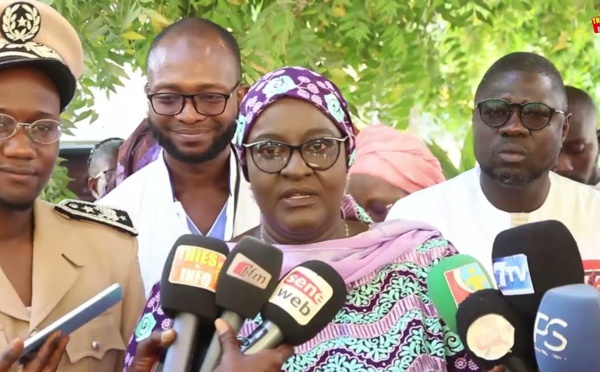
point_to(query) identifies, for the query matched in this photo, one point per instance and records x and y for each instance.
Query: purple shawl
(357, 257)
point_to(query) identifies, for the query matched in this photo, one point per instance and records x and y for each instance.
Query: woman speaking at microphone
(296, 142)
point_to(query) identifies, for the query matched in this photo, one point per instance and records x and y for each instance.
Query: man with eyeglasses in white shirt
(194, 91)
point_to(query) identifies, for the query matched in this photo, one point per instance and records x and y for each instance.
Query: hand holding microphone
(246, 281)
(233, 360)
(150, 349)
(188, 286)
(306, 299)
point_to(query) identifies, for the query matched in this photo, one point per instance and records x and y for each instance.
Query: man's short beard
(221, 143)
(17, 207)
(512, 179)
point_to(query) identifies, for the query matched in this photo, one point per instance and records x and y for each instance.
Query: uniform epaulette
(82, 210)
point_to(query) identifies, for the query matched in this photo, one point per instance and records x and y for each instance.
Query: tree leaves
(132, 35)
(159, 21)
(57, 188)
(467, 156)
(386, 56)
(450, 171)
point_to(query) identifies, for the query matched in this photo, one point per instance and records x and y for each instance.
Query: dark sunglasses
(534, 115)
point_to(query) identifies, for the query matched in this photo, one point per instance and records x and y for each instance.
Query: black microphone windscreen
(529, 260)
(190, 275)
(491, 330)
(249, 276)
(305, 301)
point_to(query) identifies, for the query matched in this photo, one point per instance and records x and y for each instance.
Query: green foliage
(386, 56)
(57, 188)
(447, 166)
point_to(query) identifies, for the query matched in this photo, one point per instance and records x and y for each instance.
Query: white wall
(119, 114)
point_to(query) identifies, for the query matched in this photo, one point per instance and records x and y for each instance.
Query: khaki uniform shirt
(79, 249)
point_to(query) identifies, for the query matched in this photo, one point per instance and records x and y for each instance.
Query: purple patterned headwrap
(297, 83)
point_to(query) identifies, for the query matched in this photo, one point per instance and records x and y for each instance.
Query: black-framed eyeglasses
(534, 115)
(319, 154)
(209, 104)
(43, 131)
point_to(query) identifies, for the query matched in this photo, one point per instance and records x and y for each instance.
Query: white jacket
(148, 198)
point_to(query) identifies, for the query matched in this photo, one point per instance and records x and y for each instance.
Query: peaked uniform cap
(35, 34)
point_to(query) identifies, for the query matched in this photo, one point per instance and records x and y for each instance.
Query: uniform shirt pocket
(100, 341)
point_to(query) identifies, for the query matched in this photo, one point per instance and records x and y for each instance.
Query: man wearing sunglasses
(578, 159)
(520, 121)
(194, 91)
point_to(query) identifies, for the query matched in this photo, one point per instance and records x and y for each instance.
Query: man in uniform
(54, 258)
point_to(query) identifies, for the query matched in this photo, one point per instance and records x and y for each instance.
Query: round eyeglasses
(209, 104)
(534, 115)
(272, 157)
(44, 131)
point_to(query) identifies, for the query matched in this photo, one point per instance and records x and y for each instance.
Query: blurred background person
(389, 165)
(139, 150)
(102, 166)
(578, 158)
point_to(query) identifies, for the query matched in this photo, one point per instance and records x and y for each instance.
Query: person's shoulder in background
(139, 150)
(425, 204)
(583, 198)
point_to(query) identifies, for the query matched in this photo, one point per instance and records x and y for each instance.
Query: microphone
(531, 259)
(245, 283)
(304, 302)
(567, 329)
(451, 280)
(188, 286)
(493, 333)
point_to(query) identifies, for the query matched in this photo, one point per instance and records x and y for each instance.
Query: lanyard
(236, 190)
